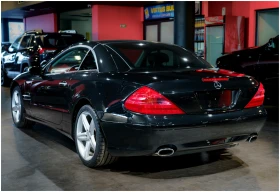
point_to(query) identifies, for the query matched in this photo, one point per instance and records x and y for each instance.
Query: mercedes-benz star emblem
(217, 85)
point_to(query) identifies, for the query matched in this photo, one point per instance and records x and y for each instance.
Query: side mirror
(35, 67)
(11, 49)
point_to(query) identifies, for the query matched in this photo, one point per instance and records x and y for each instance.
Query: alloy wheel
(16, 106)
(86, 136)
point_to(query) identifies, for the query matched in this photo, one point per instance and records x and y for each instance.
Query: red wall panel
(106, 22)
(95, 22)
(241, 8)
(47, 22)
(215, 8)
(205, 8)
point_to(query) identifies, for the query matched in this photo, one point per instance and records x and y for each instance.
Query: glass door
(167, 32)
(151, 32)
(267, 25)
(214, 43)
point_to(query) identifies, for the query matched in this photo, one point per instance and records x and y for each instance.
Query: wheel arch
(17, 82)
(76, 107)
(13, 85)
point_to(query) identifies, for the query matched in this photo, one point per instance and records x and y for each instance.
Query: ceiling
(64, 6)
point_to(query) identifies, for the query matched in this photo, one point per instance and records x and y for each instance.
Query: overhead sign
(162, 11)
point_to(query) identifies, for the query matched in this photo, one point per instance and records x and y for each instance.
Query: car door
(51, 96)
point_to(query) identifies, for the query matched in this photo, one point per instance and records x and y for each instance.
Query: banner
(159, 11)
(214, 20)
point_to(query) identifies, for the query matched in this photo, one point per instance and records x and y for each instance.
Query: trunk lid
(199, 91)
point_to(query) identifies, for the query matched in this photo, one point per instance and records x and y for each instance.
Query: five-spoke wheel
(18, 111)
(16, 106)
(86, 135)
(89, 139)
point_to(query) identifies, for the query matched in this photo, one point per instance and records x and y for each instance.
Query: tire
(4, 78)
(18, 111)
(89, 140)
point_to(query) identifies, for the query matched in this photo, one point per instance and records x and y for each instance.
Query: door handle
(62, 84)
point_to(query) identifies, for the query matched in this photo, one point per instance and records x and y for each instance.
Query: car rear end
(180, 111)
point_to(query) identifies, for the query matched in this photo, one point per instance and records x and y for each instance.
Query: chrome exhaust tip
(164, 152)
(252, 138)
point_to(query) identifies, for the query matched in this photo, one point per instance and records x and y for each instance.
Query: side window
(160, 58)
(169, 58)
(132, 54)
(89, 62)
(24, 42)
(32, 41)
(15, 45)
(122, 66)
(69, 61)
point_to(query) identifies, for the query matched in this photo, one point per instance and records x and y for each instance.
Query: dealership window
(159, 25)
(15, 30)
(267, 25)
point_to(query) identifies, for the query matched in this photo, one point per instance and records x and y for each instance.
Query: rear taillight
(258, 98)
(147, 101)
(42, 50)
(45, 51)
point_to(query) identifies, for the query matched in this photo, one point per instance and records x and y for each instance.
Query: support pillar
(184, 19)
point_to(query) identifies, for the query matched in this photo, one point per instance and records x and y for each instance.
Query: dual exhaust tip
(164, 152)
(167, 151)
(252, 138)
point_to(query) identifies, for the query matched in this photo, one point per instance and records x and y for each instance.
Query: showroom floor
(43, 159)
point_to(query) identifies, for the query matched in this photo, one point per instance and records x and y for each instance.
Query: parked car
(4, 48)
(16, 60)
(260, 62)
(138, 98)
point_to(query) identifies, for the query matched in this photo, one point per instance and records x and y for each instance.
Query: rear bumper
(131, 139)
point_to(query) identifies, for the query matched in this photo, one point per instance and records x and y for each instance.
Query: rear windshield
(59, 41)
(158, 56)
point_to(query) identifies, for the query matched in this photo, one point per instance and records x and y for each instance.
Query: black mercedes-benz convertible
(138, 98)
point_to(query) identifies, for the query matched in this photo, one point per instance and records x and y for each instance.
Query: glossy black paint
(262, 63)
(128, 133)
